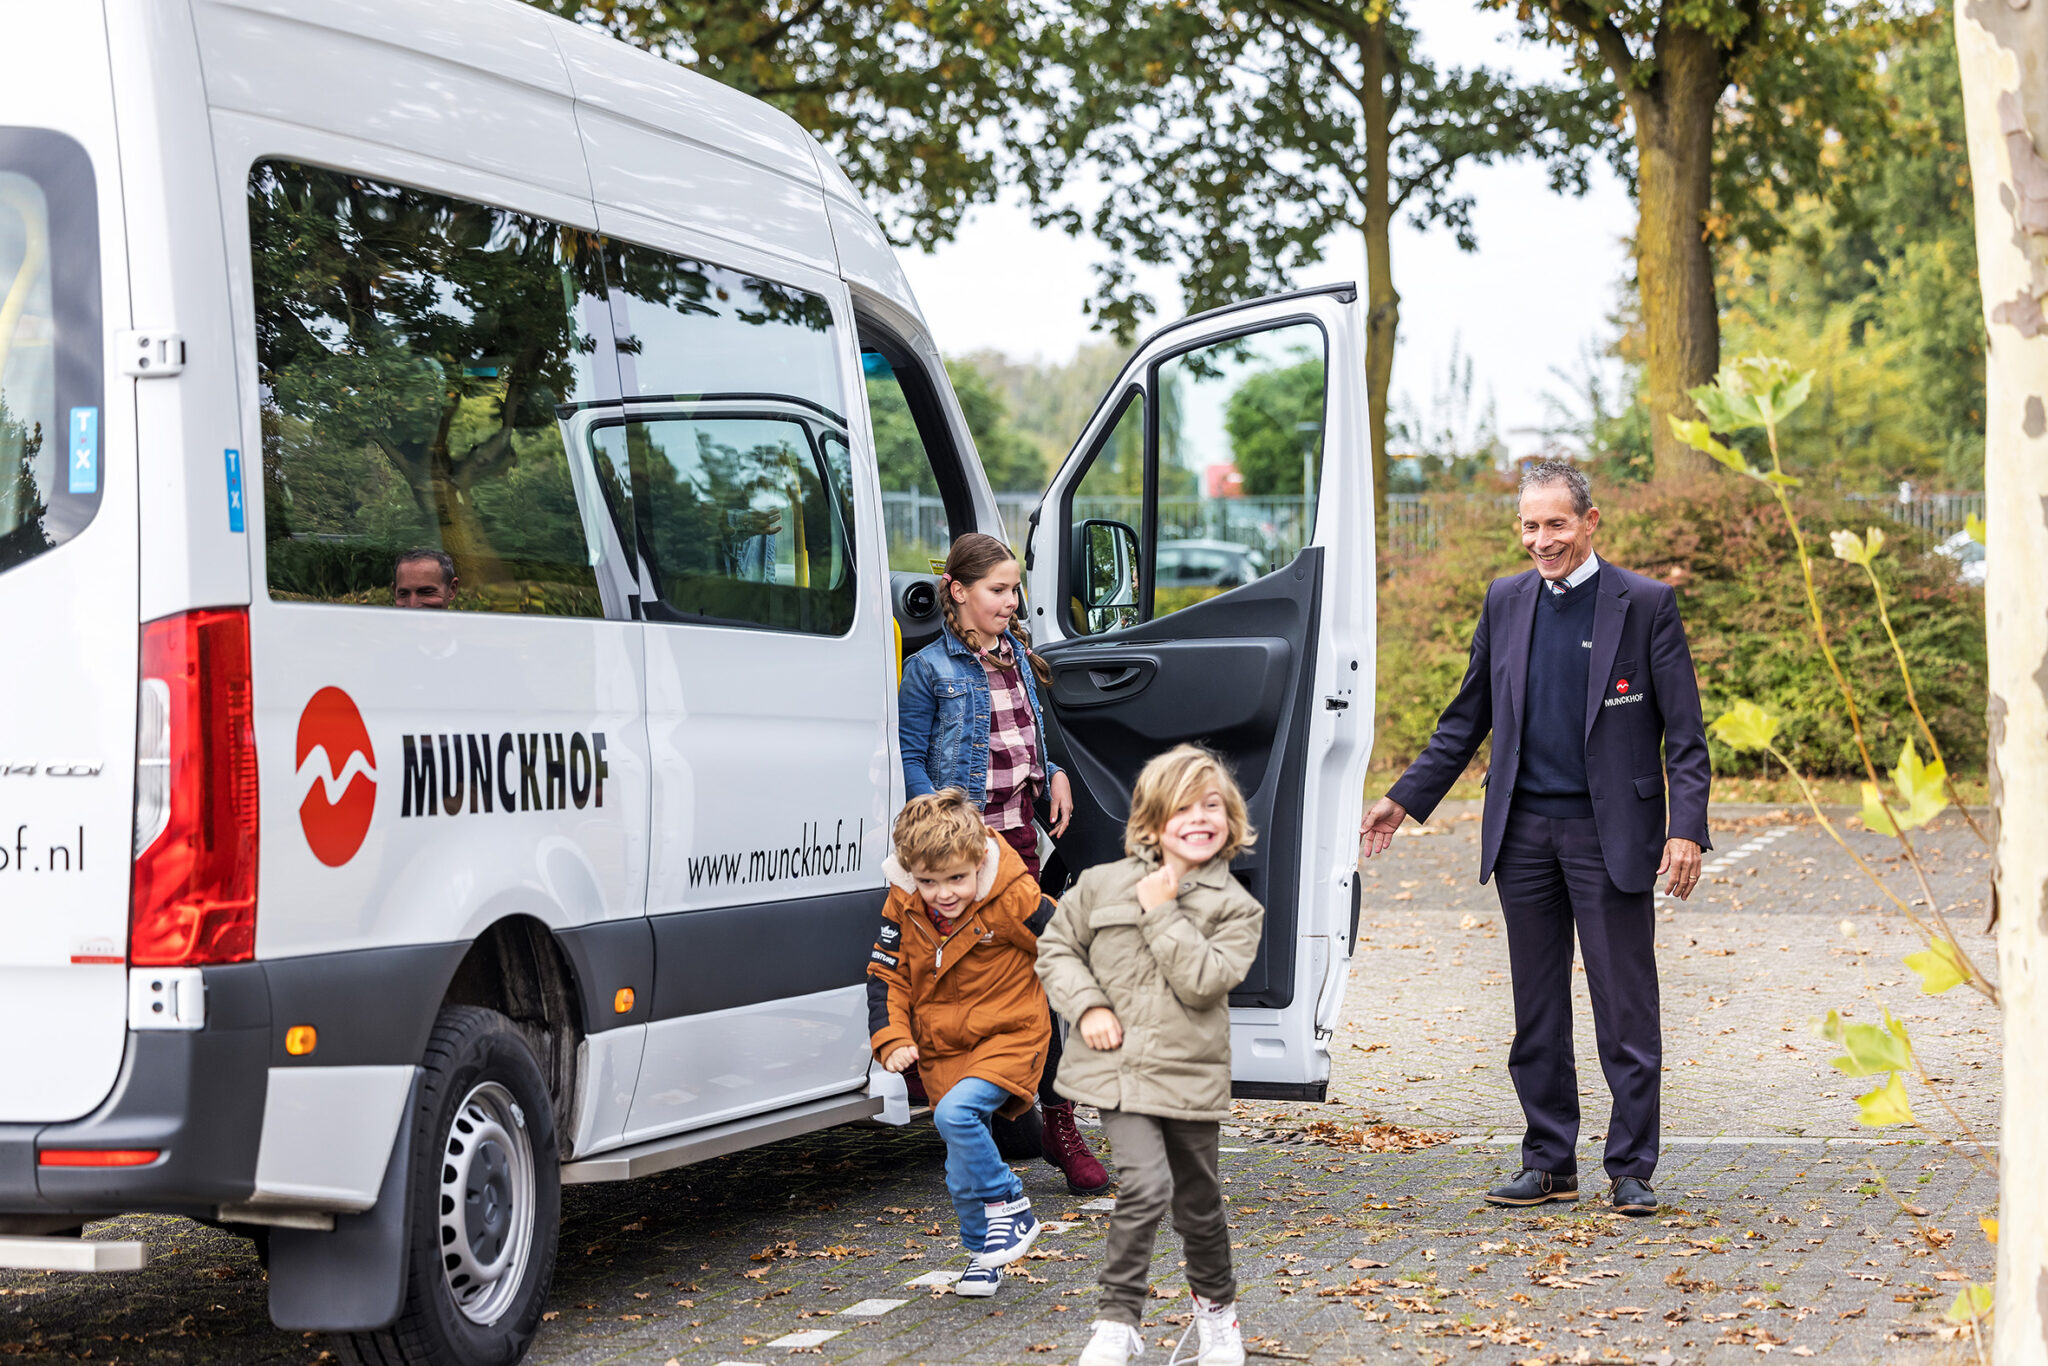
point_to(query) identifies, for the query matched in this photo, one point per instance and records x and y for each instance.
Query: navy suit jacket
(1642, 723)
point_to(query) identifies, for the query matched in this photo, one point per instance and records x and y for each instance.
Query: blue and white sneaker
(981, 1280)
(1012, 1229)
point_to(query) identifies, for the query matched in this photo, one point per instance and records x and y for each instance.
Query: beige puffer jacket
(1167, 973)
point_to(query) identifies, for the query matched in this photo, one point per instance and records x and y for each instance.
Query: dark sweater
(1552, 778)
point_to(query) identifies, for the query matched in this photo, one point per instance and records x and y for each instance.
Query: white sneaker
(1114, 1344)
(1216, 1325)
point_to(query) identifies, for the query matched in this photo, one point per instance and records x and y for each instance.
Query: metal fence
(1276, 527)
(1940, 515)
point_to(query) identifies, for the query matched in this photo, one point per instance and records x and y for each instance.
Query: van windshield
(49, 343)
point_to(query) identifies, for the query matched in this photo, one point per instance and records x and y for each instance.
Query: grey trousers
(1161, 1162)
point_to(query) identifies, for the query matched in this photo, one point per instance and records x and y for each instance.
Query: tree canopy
(909, 95)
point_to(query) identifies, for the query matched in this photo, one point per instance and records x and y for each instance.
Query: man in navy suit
(1580, 670)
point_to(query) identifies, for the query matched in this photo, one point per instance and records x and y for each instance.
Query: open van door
(1202, 570)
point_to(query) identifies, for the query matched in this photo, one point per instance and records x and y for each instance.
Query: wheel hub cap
(486, 1203)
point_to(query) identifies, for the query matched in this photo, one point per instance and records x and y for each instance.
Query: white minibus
(359, 928)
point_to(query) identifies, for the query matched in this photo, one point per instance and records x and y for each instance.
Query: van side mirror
(1108, 574)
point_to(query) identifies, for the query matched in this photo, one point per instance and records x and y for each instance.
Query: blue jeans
(975, 1171)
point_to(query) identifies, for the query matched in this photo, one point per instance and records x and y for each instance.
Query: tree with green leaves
(1237, 139)
(1012, 462)
(1875, 289)
(905, 93)
(1264, 417)
(1735, 108)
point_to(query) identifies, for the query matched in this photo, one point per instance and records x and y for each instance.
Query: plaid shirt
(1015, 770)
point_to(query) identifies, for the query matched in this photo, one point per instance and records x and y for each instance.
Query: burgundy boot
(1067, 1150)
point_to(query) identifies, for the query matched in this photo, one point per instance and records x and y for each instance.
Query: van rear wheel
(485, 1201)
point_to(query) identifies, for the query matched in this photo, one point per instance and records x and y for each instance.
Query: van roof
(509, 40)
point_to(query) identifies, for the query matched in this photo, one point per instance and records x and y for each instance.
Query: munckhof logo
(337, 776)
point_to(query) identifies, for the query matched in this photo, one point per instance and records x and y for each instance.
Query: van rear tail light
(194, 897)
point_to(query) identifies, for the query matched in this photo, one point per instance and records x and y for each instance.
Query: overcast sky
(1539, 289)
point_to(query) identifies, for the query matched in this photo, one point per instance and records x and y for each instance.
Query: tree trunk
(1674, 121)
(1383, 313)
(2005, 105)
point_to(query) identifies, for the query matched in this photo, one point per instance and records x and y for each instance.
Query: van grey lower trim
(701, 1145)
(195, 1096)
(372, 1006)
(745, 955)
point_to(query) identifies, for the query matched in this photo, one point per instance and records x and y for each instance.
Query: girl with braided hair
(968, 717)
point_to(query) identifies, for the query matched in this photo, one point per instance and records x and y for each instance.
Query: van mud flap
(352, 1279)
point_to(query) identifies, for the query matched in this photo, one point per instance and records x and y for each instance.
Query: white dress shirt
(1579, 575)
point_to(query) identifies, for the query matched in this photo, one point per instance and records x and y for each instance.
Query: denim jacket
(942, 719)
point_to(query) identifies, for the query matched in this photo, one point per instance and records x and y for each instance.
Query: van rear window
(419, 359)
(51, 475)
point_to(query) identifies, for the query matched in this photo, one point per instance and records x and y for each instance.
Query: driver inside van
(424, 578)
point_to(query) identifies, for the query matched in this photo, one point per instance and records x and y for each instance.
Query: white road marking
(936, 1278)
(809, 1337)
(868, 1309)
(1729, 858)
(1233, 1150)
(1057, 1225)
(1107, 1202)
(1742, 1141)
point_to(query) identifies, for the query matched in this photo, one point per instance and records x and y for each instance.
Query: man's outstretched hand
(1381, 821)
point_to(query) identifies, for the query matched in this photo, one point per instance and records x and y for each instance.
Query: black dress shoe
(1633, 1197)
(1534, 1188)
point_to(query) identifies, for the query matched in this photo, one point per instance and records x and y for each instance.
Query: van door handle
(1106, 681)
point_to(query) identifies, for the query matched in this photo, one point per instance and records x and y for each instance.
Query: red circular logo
(337, 775)
(1619, 687)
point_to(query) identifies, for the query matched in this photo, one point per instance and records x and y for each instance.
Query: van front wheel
(485, 1201)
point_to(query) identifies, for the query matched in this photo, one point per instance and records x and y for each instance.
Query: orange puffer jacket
(969, 1001)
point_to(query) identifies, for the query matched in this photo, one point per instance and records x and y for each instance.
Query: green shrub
(1724, 547)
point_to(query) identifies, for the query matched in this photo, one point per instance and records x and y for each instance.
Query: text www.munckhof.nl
(810, 856)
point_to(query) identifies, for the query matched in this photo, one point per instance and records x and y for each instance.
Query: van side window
(418, 356)
(913, 506)
(736, 439)
(50, 343)
(1109, 509)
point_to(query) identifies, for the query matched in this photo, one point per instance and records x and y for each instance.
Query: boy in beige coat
(1142, 955)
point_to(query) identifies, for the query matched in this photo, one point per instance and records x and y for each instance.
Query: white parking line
(869, 1309)
(1729, 858)
(936, 1278)
(1062, 1225)
(809, 1337)
(1107, 1202)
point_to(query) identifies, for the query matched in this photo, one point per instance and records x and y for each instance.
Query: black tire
(479, 1078)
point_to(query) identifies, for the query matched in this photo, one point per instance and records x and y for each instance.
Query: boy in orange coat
(953, 987)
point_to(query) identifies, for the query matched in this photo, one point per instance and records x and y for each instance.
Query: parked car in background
(1968, 553)
(1208, 564)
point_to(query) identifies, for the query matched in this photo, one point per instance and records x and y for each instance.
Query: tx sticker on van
(235, 491)
(85, 450)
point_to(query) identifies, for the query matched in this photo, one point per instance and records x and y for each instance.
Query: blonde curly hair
(1178, 778)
